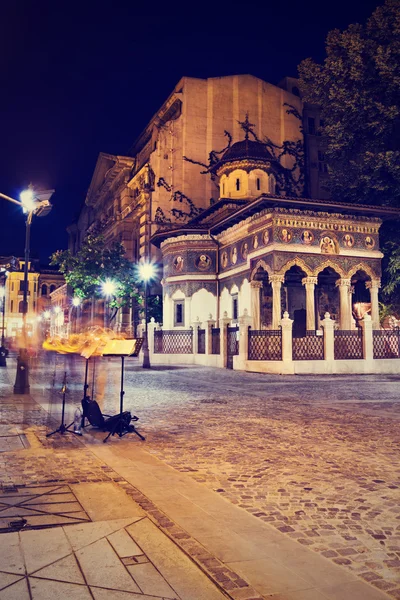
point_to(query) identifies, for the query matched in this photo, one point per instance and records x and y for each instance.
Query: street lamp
(146, 272)
(3, 350)
(33, 203)
(109, 287)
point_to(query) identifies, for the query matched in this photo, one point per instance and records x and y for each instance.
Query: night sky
(78, 82)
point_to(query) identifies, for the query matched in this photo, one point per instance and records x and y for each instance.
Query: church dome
(247, 150)
(246, 170)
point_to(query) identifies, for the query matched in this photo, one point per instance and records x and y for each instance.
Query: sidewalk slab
(268, 560)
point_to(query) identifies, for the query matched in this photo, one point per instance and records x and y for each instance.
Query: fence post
(150, 334)
(368, 341)
(239, 362)
(209, 326)
(329, 340)
(223, 326)
(195, 339)
(287, 326)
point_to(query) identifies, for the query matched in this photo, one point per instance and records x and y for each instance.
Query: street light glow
(147, 271)
(28, 200)
(47, 314)
(57, 309)
(109, 287)
(76, 301)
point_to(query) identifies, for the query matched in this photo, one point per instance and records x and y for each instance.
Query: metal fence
(173, 341)
(386, 343)
(348, 344)
(310, 347)
(265, 344)
(201, 341)
(215, 340)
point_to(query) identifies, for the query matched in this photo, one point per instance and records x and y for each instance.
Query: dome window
(258, 183)
(238, 184)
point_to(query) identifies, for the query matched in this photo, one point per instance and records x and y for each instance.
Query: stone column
(208, 327)
(223, 326)
(195, 326)
(329, 341)
(151, 326)
(373, 287)
(345, 312)
(256, 286)
(310, 283)
(276, 283)
(287, 358)
(239, 362)
(368, 341)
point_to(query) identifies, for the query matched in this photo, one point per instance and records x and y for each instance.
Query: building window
(179, 313)
(237, 184)
(34, 305)
(223, 189)
(258, 183)
(52, 288)
(44, 290)
(34, 287)
(12, 286)
(12, 305)
(21, 306)
(22, 285)
(311, 125)
(235, 307)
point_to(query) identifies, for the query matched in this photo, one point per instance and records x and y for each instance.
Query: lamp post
(3, 350)
(147, 272)
(76, 302)
(32, 203)
(109, 288)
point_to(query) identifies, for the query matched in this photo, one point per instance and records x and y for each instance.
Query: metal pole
(21, 385)
(146, 355)
(3, 351)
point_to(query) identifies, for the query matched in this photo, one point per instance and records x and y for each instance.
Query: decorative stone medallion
(307, 237)
(255, 242)
(224, 259)
(178, 263)
(286, 235)
(203, 262)
(348, 240)
(369, 242)
(234, 255)
(266, 236)
(245, 250)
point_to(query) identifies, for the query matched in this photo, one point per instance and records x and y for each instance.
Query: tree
(95, 263)
(358, 91)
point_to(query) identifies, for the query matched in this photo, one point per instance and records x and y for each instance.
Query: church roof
(247, 149)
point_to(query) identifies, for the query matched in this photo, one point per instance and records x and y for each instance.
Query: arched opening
(21, 306)
(265, 298)
(44, 290)
(294, 299)
(327, 294)
(361, 297)
(52, 288)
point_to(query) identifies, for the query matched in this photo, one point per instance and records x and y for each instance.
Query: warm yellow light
(28, 200)
(109, 287)
(147, 271)
(57, 309)
(47, 314)
(76, 301)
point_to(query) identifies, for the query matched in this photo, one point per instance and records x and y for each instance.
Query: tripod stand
(64, 428)
(122, 424)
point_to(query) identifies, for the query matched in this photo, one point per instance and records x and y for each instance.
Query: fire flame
(87, 344)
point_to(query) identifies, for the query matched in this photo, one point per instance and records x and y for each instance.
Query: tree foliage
(358, 90)
(95, 263)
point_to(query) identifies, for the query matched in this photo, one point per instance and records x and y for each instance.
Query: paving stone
(48, 590)
(16, 591)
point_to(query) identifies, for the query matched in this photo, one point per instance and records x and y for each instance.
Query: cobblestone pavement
(315, 457)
